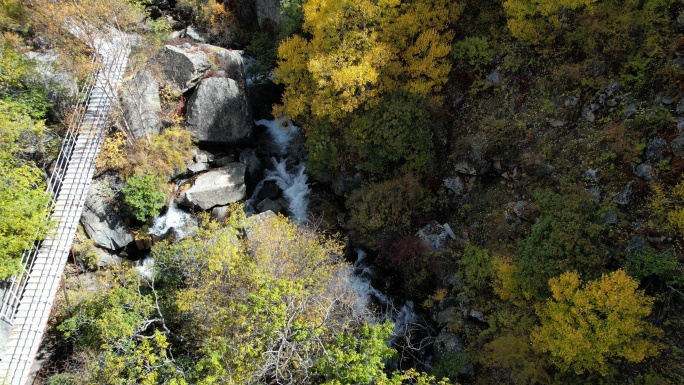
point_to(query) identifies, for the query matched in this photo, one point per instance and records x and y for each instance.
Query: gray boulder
(654, 149)
(141, 104)
(268, 11)
(631, 110)
(217, 188)
(101, 223)
(220, 213)
(230, 61)
(193, 34)
(183, 65)
(196, 168)
(449, 345)
(105, 259)
(434, 235)
(624, 197)
(477, 315)
(249, 158)
(571, 101)
(645, 171)
(58, 83)
(677, 146)
(219, 112)
(269, 205)
(455, 184)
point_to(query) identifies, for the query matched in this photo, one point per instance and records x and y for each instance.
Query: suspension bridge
(28, 298)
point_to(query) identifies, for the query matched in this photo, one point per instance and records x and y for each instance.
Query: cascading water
(145, 268)
(361, 284)
(294, 186)
(174, 218)
(293, 183)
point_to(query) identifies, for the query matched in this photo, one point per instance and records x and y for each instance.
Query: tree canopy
(585, 328)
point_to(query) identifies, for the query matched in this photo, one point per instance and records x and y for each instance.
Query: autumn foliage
(586, 328)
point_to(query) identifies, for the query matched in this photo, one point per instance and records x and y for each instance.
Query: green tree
(586, 328)
(541, 21)
(119, 337)
(567, 236)
(393, 133)
(387, 210)
(142, 196)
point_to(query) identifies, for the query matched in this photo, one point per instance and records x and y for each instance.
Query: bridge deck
(36, 292)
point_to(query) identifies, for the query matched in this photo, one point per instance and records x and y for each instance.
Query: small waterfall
(282, 131)
(294, 187)
(145, 267)
(293, 183)
(361, 284)
(174, 218)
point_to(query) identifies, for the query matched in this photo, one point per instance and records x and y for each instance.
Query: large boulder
(268, 13)
(217, 187)
(218, 112)
(59, 83)
(183, 65)
(230, 61)
(434, 236)
(100, 222)
(141, 104)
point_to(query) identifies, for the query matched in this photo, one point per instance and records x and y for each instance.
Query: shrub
(142, 196)
(393, 133)
(263, 49)
(473, 52)
(567, 236)
(388, 209)
(322, 150)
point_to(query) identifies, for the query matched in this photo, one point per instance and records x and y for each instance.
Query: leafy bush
(142, 196)
(473, 52)
(567, 236)
(322, 150)
(648, 263)
(159, 155)
(476, 270)
(394, 132)
(388, 209)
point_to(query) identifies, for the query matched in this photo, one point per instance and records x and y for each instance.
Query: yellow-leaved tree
(585, 329)
(360, 50)
(541, 21)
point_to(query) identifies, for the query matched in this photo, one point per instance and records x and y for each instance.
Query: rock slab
(101, 223)
(217, 187)
(141, 104)
(219, 112)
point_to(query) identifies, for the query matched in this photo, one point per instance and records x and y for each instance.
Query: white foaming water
(173, 218)
(362, 281)
(361, 284)
(293, 183)
(282, 130)
(294, 187)
(145, 268)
